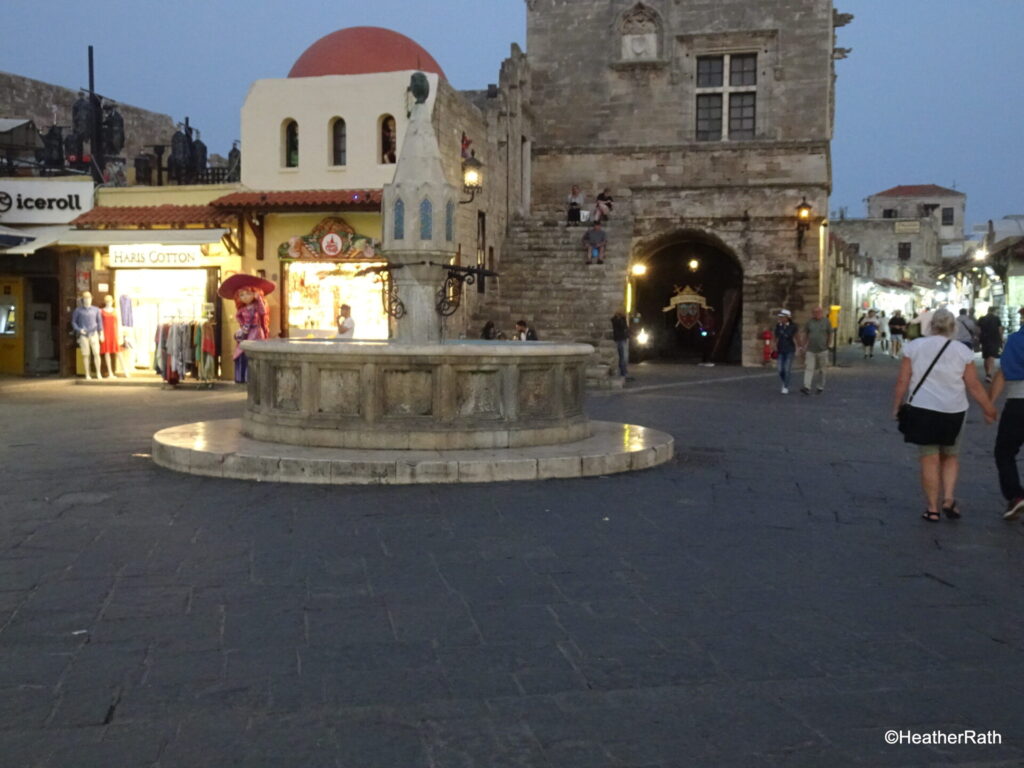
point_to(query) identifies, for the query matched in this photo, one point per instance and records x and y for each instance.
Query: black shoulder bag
(923, 426)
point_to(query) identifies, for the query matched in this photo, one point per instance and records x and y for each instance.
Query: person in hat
(1010, 436)
(785, 346)
(248, 292)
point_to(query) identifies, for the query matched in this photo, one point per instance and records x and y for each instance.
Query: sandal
(952, 511)
(931, 517)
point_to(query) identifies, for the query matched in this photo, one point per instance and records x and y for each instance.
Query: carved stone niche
(640, 30)
(639, 39)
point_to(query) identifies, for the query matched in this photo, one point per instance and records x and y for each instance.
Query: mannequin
(253, 324)
(110, 341)
(88, 326)
(247, 291)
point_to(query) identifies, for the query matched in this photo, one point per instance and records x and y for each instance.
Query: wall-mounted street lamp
(639, 270)
(472, 177)
(803, 221)
(694, 264)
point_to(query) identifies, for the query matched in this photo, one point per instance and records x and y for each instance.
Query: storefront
(36, 272)
(314, 244)
(157, 278)
(324, 270)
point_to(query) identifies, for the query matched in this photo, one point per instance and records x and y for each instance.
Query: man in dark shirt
(991, 331)
(897, 331)
(620, 333)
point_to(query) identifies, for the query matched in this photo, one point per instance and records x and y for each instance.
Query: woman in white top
(944, 393)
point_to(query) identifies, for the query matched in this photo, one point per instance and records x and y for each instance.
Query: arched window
(339, 142)
(388, 140)
(291, 144)
(449, 222)
(399, 219)
(426, 220)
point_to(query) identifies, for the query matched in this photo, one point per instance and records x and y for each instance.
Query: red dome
(363, 51)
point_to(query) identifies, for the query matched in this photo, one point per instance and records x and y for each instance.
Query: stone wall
(614, 104)
(879, 239)
(39, 101)
(499, 126)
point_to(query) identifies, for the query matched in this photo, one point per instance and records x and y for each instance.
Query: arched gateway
(689, 295)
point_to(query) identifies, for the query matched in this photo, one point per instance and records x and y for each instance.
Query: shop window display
(317, 291)
(149, 298)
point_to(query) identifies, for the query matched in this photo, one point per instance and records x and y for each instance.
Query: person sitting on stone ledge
(604, 205)
(595, 240)
(575, 205)
(525, 332)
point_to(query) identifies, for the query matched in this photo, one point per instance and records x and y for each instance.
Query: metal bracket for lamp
(449, 295)
(393, 306)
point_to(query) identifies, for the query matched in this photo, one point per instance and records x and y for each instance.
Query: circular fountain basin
(387, 396)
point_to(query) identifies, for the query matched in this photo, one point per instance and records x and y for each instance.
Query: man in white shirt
(924, 319)
(346, 325)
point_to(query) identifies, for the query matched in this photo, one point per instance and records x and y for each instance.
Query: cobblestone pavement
(769, 598)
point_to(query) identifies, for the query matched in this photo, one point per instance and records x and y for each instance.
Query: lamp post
(472, 177)
(803, 221)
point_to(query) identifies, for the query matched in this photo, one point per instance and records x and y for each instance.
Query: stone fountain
(416, 409)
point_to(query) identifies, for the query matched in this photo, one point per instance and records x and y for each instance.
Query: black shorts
(990, 349)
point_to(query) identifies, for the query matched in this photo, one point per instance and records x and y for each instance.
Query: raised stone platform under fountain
(416, 409)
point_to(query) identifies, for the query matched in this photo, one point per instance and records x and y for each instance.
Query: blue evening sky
(930, 94)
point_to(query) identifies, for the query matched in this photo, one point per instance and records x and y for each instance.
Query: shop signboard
(907, 227)
(153, 256)
(34, 201)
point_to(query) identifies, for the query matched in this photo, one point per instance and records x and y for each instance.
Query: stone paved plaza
(768, 598)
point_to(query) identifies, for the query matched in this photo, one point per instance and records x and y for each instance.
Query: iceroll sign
(33, 201)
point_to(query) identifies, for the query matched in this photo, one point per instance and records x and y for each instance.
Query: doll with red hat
(248, 292)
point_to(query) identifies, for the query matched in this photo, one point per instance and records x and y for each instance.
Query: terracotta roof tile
(320, 199)
(919, 190)
(153, 216)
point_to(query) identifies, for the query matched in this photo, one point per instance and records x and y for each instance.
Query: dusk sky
(930, 94)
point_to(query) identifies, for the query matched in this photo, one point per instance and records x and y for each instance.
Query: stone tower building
(710, 121)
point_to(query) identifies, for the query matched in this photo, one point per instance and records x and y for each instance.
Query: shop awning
(38, 237)
(97, 238)
(176, 216)
(302, 200)
(101, 237)
(12, 237)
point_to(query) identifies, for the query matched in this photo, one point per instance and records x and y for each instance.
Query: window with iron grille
(889, 213)
(735, 96)
(947, 217)
(904, 251)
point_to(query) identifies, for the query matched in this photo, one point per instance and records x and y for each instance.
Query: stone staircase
(545, 281)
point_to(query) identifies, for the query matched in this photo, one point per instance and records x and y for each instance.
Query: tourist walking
(939, 374)
(966, 329)
(924, 321)
(990, 333)
(1010, 436)
(897, 331)
(620, 333)
(785, 346)
(346, 325)
(817, 339)
(869, 332)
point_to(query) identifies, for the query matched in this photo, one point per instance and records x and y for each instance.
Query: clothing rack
(186, 349)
